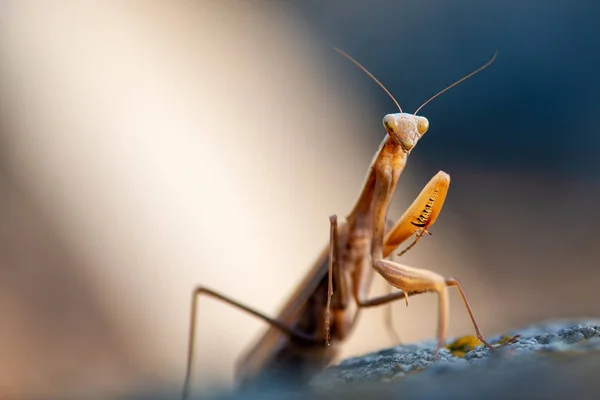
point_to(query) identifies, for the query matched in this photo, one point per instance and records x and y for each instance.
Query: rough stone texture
(541, 343)
(555, 360)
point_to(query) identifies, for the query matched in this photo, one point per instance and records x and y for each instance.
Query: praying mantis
(304, 337)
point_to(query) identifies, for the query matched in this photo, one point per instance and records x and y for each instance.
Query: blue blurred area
(534, 109)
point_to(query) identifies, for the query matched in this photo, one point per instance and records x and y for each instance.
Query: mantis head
(405, 128)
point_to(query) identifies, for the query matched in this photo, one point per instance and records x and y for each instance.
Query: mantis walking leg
(200, 290)
(343, 294)
(416, 281)
(388, 320)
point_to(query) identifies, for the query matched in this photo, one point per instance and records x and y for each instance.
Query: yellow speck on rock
(506, 339)
(463, 345)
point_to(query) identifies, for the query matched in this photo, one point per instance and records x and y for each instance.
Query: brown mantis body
(294, 347)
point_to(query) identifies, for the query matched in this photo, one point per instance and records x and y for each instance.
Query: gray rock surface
(538, 344)
(555, 360)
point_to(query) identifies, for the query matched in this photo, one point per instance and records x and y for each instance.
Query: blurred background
(146, 147)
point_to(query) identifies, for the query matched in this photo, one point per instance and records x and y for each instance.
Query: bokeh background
(146, 147)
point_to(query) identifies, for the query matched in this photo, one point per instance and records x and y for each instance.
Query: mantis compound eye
(390, 123)
(422, 125)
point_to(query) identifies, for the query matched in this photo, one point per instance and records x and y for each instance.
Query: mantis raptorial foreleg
(418, 217)
(421, 214)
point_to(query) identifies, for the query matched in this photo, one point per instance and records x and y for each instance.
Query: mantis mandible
(303, 337)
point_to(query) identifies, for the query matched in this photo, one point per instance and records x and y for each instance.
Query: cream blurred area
(146, 149)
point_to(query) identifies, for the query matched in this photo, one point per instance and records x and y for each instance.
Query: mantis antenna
(459, 81)
(370, 75)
